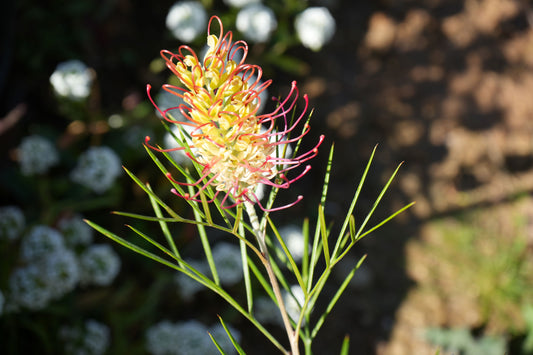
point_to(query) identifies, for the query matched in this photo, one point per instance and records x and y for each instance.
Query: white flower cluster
(166, 100)
(28, 289)
(91, 339)
(40, 242)
(266, 311)
(187, 286)
(241, 3)
(227, 258)
(99, 265)
(228, 261)
(12, 222)
(172, 140)
(50, 269)
(97, 169)
(315, 26)
(75, 231)
(188, 338)
(294, 301)
(256, 22)
(72, 79)
(36, 155)
(186, 20)
(294, 240)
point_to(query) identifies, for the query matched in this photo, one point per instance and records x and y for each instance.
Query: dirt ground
(446, 87)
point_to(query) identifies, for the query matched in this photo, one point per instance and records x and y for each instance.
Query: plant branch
(260, 236)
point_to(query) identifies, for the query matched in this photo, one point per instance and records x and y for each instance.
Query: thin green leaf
(238, 218)
(325, 185)
(205, 207)
(287, 252)
(353, 203)
(169, 210)
(279, 275)
(305, 257)
(192, 221)
(324, 234)
(189, 271)
(336, 297)
(165, 171)
(231, 337)
(315, 255)
(246, 272)
(386, 220)
(216, 343)
(345, 346)
(206, 245)
(154, 243)
(132, 246)
(378, 200)
(148, 218)
(259, 276)
(374, 206)
(352, 228)
(163, 225)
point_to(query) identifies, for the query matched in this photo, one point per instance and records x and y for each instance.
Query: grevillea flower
(237, 147)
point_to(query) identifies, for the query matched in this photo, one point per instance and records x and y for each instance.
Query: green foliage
(311, 277)
(485, 252)
(461, 341)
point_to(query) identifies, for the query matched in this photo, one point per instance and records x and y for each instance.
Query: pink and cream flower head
(236, 147)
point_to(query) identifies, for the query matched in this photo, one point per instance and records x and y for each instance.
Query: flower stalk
(259, 233)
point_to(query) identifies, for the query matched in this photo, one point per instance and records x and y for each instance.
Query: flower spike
(236, 148)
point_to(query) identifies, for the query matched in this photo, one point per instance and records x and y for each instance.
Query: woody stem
(260, 236)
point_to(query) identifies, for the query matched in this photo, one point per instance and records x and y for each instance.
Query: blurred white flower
(12, 222)
(294, 302)
(36, 155)
(61, 272)
(188, 287)
(294, 240)
(263, 95)
(241, 3)
(184, 338)
(315, 27)
(219, 333)
(166, 100)
(72, 79)
(228, 261)
(28, 289)
(97, 169)
(75, 231)
(161, 338)
(186, 20)
(266, 311)
(193, 338)
(91, 339)
(40, 241)
(170, 142)
(99, 265)
(256, 22)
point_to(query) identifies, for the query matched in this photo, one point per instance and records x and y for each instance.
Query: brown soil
(446, 87)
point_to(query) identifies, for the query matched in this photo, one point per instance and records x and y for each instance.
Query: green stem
(260, 236)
